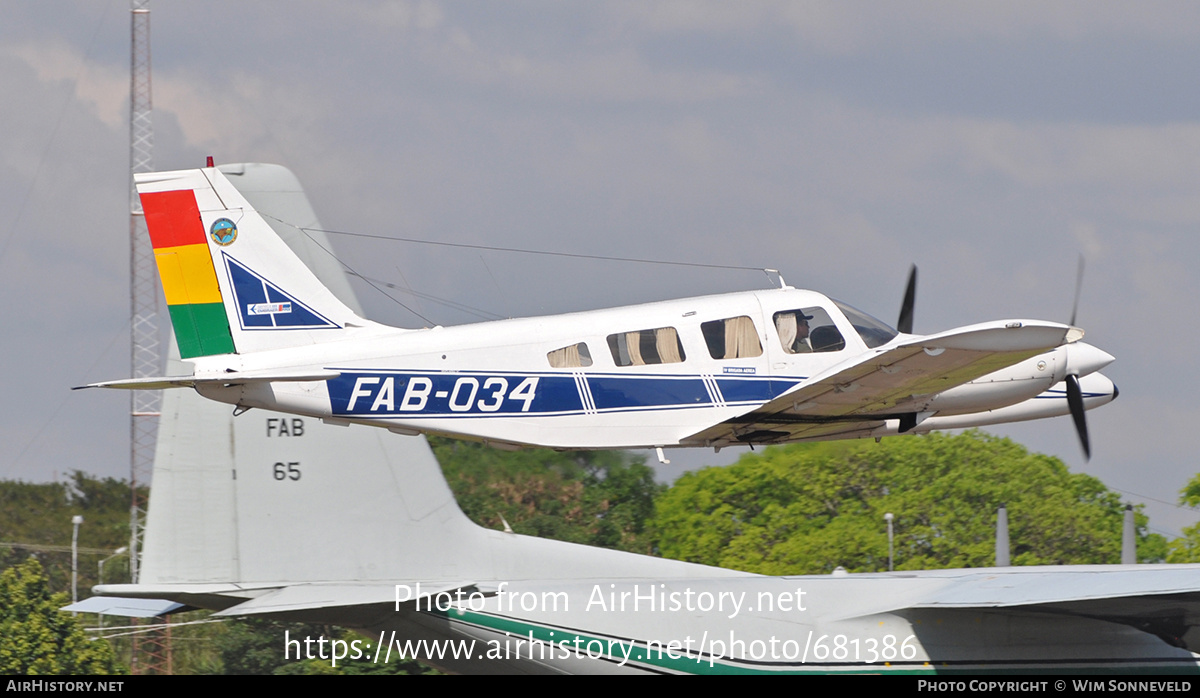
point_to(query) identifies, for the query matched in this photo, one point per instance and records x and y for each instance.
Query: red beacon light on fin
(208, 161)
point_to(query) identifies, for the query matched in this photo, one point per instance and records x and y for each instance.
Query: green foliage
(40, 515)
(38, 639)
(1151, 547)
(1187, 548)
(253, 647)
(1190, 494)
(601, 498)
(808, 508)
(257, 647)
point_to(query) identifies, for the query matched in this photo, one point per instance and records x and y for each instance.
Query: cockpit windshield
(874, 332)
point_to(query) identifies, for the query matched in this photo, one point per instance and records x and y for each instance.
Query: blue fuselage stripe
(388, 394)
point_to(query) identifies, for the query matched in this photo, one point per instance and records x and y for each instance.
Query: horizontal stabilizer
(231, 378)
(315, 597)
(118, 606)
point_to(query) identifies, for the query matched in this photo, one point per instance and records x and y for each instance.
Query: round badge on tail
(223, 231)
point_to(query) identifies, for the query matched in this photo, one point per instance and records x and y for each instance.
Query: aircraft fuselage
(640, 376)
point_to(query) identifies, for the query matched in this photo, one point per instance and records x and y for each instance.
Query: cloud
(841, 28)
(104, 89)
(398, 14)
(605, 76)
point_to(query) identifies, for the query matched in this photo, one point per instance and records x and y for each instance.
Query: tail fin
(288, 500)
(232, 286)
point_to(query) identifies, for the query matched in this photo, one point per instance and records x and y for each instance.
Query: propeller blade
(905, 323)
(1078, 286)
(1075, 402)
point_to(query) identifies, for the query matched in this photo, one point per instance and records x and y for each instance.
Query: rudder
(231, 285)
(185, 267)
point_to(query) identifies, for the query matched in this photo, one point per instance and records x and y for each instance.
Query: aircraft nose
(1083, 359)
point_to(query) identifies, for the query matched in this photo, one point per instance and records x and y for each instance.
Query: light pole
(116, 553)
(1002, 547)
(891, 549)
(75, 521)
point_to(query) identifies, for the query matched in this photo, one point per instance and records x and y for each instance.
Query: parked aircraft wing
(1162, 600)
(856, 396)
(127, 607)
(310, 597)
(1055, 585)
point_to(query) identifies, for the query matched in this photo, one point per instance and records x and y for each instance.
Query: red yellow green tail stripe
(186, 269)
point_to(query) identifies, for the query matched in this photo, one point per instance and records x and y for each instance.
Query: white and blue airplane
(756, 367)
(293, 520)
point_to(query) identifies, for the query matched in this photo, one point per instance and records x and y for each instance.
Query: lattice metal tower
(146, 359)
(151, 653)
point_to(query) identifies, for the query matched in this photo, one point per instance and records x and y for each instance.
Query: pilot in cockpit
(793, 331)
(799, 337)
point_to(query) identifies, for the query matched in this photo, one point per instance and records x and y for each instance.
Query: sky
(990, 143)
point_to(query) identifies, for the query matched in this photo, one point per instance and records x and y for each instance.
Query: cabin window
(645, 347)
(573, 356)
(732, 338)
(808, 331)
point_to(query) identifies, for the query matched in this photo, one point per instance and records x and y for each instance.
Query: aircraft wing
(147, 600)
(128, 607)
(1159, 599)
(314, 597)
(1163, 600)
(1081, 586)
(856, 396)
